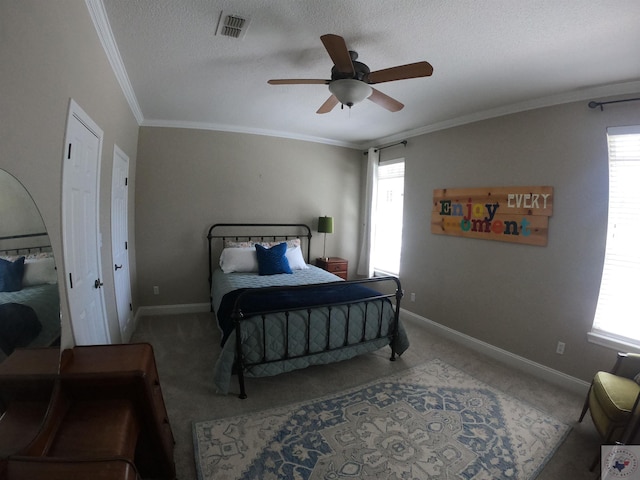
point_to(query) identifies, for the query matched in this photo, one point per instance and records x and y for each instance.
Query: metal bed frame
(22, 250)
(25, 245)
(294, 230)
(239, 317)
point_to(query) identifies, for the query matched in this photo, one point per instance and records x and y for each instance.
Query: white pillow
(295, 258)
(38, 271)
(242, 259)
(27, 256)
(292, 242)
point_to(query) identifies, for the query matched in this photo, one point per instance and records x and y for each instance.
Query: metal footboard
(349, 326)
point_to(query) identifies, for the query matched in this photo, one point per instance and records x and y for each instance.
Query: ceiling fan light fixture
(350, 91)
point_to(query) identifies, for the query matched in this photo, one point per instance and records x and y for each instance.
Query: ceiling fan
(351, 80)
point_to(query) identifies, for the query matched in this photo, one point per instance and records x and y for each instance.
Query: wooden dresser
(104, 411)
(336, 265)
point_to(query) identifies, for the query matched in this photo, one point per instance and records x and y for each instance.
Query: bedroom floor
(186, 347)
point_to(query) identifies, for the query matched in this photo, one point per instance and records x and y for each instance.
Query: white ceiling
(489, 57)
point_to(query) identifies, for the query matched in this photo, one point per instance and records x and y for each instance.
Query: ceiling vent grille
(234, 26)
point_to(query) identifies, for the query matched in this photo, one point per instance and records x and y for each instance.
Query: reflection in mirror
(29, 298)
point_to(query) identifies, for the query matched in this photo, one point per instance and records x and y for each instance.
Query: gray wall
(523, 299)
(18, 213)
(187, 180)
(519, 298)
(50, 52)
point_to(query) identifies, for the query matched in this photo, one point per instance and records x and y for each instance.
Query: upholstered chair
(613, 400)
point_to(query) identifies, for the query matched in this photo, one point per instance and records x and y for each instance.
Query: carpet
(429, 422)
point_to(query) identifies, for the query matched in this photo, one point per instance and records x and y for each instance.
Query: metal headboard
(258, 232)
(25, 248)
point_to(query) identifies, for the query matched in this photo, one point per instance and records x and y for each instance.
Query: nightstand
(336, 265)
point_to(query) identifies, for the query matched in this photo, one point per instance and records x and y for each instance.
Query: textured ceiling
(489, 57)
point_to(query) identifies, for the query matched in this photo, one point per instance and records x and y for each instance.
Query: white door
(120, 241)
(80, 235)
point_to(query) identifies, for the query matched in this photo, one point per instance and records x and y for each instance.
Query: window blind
(617, 314)
(390, 170)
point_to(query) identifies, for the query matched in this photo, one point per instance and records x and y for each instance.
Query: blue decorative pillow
(11, 275)
(272, 260)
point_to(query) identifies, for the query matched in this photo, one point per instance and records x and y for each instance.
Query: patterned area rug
(430, 422)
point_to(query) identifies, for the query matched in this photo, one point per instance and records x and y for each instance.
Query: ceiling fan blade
(385, 101)
(402, 72)
(299, 81)
(339, 53)
(327, 106)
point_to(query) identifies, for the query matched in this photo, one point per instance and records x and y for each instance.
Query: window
(617, 320)
(387, 234)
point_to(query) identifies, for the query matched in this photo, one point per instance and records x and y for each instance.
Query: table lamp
(325, 225)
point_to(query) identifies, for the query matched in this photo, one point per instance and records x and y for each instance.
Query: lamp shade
(349, 91)
(325, 225)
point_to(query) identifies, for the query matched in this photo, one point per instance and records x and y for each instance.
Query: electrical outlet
(413, 297)
(560, 348)
(156, 290)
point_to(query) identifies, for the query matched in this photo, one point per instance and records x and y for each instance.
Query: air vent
(234, 26)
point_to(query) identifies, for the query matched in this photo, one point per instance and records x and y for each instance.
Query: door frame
(75, 111)
(127, 329)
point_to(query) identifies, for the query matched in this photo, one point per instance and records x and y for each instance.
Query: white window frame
(621, 255)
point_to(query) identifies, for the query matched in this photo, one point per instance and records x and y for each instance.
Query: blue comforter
(227, 287)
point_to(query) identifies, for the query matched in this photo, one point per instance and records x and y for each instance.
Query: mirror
(29, 313)
(29, 296)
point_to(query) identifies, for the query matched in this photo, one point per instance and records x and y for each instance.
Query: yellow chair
(613, 400)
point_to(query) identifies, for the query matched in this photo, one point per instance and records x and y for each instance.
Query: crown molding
(103, 28)
(252, 131)
(105, 34)
(602, 91)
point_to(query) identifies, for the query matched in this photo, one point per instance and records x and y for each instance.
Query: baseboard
(541, 371)
(173, 309)
(545, 373)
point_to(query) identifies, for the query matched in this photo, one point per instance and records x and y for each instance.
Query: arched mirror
(29, 315)
(29, 296)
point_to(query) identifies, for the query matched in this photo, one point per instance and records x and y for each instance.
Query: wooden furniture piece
(27, 379)
(336, 265)
(39, 468)
(104, 405)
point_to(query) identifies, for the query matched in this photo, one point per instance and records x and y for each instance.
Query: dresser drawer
(336, 265)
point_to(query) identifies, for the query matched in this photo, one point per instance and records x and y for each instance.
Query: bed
(274, 321)
(29, 298)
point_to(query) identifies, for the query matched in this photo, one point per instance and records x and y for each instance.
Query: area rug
(430, 422)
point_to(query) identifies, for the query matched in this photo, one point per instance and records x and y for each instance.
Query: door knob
(97, 283)
(118, 266)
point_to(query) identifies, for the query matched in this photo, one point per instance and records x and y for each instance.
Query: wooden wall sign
(507, 214)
